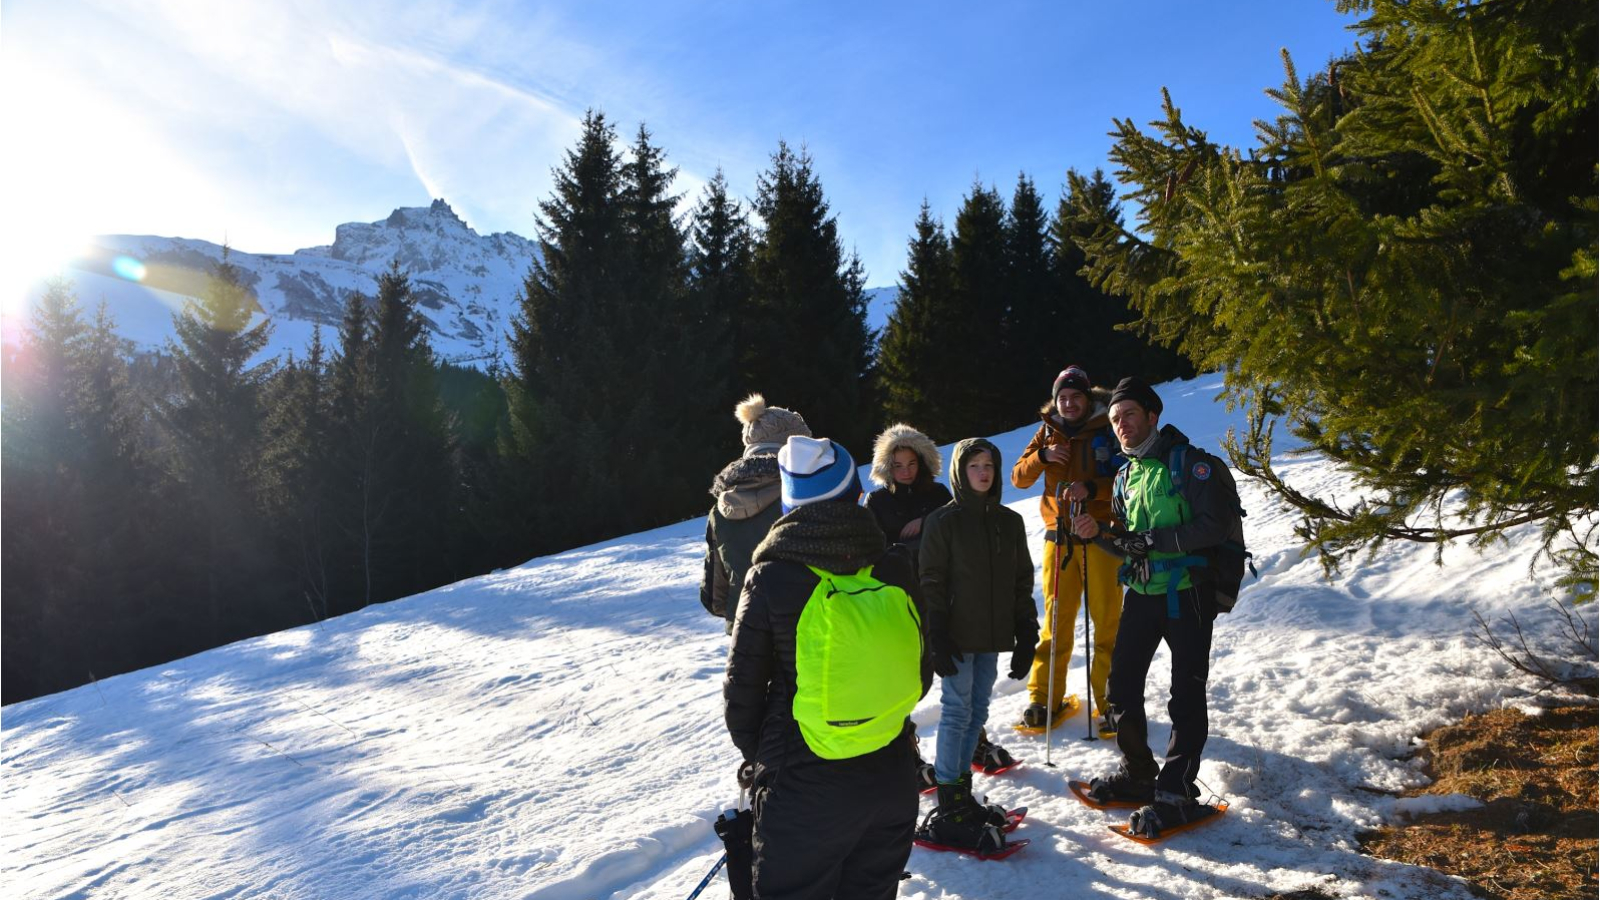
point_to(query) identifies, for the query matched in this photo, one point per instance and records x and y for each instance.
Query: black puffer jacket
(977, 573)
(898, 504)
(758, 692)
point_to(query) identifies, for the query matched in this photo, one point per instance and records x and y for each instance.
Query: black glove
(1139, 569)
(747, 775)
(945, 657)
(1133, 544)
(1021, 661)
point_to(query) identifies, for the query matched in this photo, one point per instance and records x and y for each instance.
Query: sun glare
(95, 166)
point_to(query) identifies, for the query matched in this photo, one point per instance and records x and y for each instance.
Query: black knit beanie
(1131, 388)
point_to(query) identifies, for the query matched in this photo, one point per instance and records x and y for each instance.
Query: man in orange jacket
(1078, 456)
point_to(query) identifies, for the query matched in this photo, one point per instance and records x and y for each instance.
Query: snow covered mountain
(554, 731)
(466, 283)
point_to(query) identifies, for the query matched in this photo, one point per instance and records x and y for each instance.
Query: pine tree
(663, 453)
(810, 348)
(720, 253)
(299, 478)
(911, 371)
(122, 558)
(356, 438)
(1402, 271)
(1038, 338)
(413, 478)
(42, 502)
(214, 422)
(980, 273)
(572, 376)
(392, 456)
(1107, 336)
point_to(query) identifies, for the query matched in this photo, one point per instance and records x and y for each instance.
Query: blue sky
(268, 122)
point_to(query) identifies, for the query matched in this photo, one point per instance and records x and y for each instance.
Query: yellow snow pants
(1063, 596)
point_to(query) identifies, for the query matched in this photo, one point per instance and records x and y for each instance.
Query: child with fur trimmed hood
(904, 464)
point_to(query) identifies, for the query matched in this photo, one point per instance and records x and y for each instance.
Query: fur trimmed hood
(747, 486)
(903, 437)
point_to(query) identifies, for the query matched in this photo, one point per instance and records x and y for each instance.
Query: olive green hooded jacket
(976, 570)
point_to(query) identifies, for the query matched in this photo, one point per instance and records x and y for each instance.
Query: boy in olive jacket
(977, 581)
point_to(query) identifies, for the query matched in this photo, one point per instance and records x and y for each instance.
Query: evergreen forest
(162, 503)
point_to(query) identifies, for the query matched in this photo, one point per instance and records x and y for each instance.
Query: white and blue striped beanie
(816, 469)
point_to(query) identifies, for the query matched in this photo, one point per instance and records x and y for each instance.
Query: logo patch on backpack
(1201, 471)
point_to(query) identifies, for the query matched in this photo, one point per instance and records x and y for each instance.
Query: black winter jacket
(747, 504)
(759, 689)
(898, 504)
(976, 570)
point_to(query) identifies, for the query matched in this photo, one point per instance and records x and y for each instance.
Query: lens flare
(129, 268)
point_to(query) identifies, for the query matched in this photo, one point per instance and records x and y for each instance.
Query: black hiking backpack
(1219, 568)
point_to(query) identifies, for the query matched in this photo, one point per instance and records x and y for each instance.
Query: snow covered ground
(554, 731)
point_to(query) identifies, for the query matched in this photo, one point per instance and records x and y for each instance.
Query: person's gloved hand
(1021, 661)
(945, 656)
(1133, 544)
(747, 774)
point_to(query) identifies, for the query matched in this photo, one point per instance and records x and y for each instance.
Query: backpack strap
(1177, 467)
(1175, 566)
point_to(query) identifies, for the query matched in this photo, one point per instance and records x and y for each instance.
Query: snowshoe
(1122, 789)
(990, 758)
(1080, 789)
(1034, 718)
(961, 825)
(1170, 814)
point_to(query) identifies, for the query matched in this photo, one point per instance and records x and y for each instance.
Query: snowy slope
(554, 731)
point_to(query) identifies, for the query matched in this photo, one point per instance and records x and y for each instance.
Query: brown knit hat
(767, 427)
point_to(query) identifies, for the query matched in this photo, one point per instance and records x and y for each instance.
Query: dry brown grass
(1538, 835)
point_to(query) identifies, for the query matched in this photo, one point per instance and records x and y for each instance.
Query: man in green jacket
(1158, 531)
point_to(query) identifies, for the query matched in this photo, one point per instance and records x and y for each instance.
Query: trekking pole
(709, 875)
(1088, 642)
(1053, 603)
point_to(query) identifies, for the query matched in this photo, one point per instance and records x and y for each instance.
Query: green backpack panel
(858, 664)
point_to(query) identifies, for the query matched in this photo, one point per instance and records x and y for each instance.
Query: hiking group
(841, 612)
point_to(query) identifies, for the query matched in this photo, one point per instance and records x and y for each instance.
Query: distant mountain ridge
(465, 283)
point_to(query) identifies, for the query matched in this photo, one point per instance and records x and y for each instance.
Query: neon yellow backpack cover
(858, 664)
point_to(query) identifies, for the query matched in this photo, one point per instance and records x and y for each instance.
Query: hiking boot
(1106, 726)
(958, 821)
(1123, 785)
(990, 758)
(993, 813)
(1034, 715)
(1168, 811)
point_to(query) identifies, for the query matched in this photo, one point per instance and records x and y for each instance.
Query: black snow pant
(1145, 624)
(836, 829)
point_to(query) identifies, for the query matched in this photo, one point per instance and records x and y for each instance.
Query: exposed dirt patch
(1538, 835)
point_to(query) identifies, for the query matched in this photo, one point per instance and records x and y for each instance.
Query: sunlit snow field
(555, 731)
